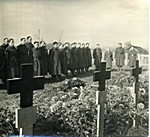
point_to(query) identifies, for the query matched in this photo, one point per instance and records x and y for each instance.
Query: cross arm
(136, 71)
(96, 76)
(38, 82)
(13, 86)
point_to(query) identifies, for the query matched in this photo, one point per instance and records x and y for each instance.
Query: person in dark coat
(55, 67)
(73, 59)
(30, 46)
(3, 70)
(67, 53)
(108, 57)
(22, 53)
(120, 56)
(85, 59)
(2, 65)
(79, 58)
(132, 56)
(63, 60)
(89, 57)
(11, 60)
(44, 58)
(36, 58)
(97, 55)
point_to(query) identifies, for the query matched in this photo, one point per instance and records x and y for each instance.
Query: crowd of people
(58, 60)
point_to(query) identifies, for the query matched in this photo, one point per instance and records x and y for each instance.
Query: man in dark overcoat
(36, 52)
(30, 46)
(97, 55)
(132, 57)
(73, 59)
(79, 58)
(2, 65)
(44, 58)
(3, 70)
(22, 53)
(108, 57)
(63, 60)
(89, 57)
(11, 60)
(55, 67)
(120, 56)
(67, 53)
(85, 59)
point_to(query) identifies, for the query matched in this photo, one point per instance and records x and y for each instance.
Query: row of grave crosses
(26, 114)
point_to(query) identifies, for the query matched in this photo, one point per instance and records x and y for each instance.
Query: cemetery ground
(69, 107)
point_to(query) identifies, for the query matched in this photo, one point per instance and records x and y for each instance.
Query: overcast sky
(96, 21)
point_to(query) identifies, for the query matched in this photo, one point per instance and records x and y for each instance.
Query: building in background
(142, 54)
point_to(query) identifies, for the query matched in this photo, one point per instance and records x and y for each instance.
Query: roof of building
(140, 50)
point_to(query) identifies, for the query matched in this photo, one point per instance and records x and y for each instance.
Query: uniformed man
(97, 55)
(30, 46)
(108, 57)
(73, 59)
(132, 56)
(89, 57)
(11, 60)
(120, 56)
(3, 65)
(22, 53)
(79, 58)
(44, 58)
(63, 60)
(85, 59)
(67, 52)
(55, 67)
(36, 61)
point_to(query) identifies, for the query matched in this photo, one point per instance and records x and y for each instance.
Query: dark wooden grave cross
(25, 117)
(101, 76)
(136, 85)
(25, 85)
(135, 72)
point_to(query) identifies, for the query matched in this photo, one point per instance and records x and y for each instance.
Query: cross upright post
(101, 76)
(135, 72)
(25, 86)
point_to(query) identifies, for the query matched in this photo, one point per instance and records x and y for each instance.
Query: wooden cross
(25, 85)
(135, 72)
(25, 117)
(101, 76)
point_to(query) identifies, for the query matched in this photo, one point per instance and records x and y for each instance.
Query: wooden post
(101, 76)
(25, 118)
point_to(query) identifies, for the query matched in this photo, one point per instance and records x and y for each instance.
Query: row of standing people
(119, 57)
(75, 57)
(56, 61)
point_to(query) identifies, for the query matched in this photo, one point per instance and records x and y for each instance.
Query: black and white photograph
(75, 68)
